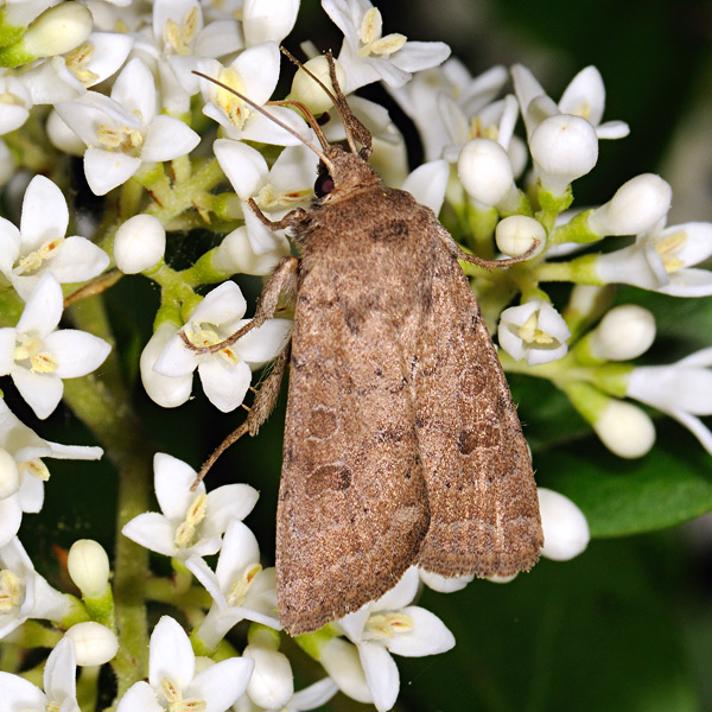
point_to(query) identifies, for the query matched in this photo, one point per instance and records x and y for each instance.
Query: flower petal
(172, 481)
(695, 426)
(314, 696)
(45, 215)
(258, 68)
(401, 594)
(41, 391)
(223, 304)
(226, 504)
(218, 39)
(239, 550)
(168, 138)
(225, 384)
(689, 283)
(19, 694)
(429, 635)
(78, 259)
(31, 494)
(167, 391)
(135, 90)
(261, 129)
(175, 359)
(206, 577)
(152, 531)
(8, 340)
(140, 696)
(221, 684)
(171, 655)
(697, 243)
(427, 184)
(417, 56)
(77, 352)
(60, 670)
(264, 343)
(10, 519)
(585, 96)
(444, 584)
(341, 661)
(9, 246)
(43, 309)
(106, 170)
(612, 130)
(244, 166)
(381, 675)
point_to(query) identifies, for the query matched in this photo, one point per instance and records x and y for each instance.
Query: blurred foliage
(628, 625)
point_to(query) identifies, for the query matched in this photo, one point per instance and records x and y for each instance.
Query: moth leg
(264, 403)
(291, 219)
(460, 254)
(282, 280)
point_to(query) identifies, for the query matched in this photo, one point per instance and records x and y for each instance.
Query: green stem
(105, 407)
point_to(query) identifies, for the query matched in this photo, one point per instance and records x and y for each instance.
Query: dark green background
(627, 627)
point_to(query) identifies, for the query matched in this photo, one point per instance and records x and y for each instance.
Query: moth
(402, 445)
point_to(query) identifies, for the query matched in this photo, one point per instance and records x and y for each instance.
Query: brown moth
(402, 445)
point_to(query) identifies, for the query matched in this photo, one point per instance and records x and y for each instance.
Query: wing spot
(390, 231)
(485, 435)
(322, 422)
(335, 478)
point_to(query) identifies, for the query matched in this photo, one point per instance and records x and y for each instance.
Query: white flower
(24, 594)
(24, 450)
(60, 688)
(139, 244)
(40, 247)
(367, 56)
(125, 131)
(225, 375)
(172, 680)
(661, 260)
(15, 104)
(683, 390)
(533, 331)
(444, 584)
(94, 644)
(38, 356)
(236, 254)
(253, 73)
(268, 20)
(565, 528)
(240, 587)
(191, 523)
(390, 625)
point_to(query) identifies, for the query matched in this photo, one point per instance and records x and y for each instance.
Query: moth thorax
(12, 591)
(188, 529)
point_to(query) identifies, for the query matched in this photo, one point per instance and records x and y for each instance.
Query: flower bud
(624, 333)
(9, 475)
(485, 171)
(306, 90)
(234, 255)
(565, 528)
(271, 685)
(58, 30)
(167, 391)
(94, 643)
(516, 234)
(88, 567)
(635, 208)
(444, 584)
(139, 244)
(62, 137)
(268, 20)
(563, 149)
(625, 429)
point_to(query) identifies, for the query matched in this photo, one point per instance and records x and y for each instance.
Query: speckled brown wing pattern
(353, 505)
(481, 489)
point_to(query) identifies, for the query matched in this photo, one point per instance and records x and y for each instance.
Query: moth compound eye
(324, 182)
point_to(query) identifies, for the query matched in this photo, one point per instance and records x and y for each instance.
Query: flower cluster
(113, 82)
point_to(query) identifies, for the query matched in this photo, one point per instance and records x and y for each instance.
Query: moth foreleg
(291, 219)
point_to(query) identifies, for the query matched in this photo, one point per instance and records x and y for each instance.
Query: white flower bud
(234, 255)
(485, 171)
(444, 584)
(94, 644)
(635, 208)
(306, 90)
(167, 391)
(139, 244)
(625, 429)
(565, 528)
(563, 149)
(268, 20)
(516, 234)
(271, 685)
(62, 137)
(88, 567)
(9, 476)
(624, 333)
(58, 30)
(501, 579)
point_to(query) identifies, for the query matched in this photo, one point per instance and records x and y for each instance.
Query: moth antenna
(231, 439)
(354, 128)
(264, 112)
(311, 119)
(498, 264)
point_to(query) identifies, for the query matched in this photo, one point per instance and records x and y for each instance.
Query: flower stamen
(241, 585)
(370, 36)
(179, 36)
(187, 530)
(33, 261)
(12, 590)
(381, 626)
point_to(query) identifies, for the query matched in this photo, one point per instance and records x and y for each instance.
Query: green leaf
(670, 485)
(593, 634)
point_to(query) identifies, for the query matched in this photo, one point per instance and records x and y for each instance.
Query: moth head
(342, 173)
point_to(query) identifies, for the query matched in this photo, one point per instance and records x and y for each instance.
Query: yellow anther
(76, 61)
(43, 362)
(371, 26)
(7, 97)
(530, 332)
(583, 110)
(270, 199)
(205, 335)
(31, 262)
(123, 138)
(12, 590)
(29, 348)
(478, 130)
(174, 697)
(388, 45)
(386, 625)
(234, 108)
(179, 36)
(36, 468)
(187, 530)
(242, 585)
(667, 246)
(370, 35)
